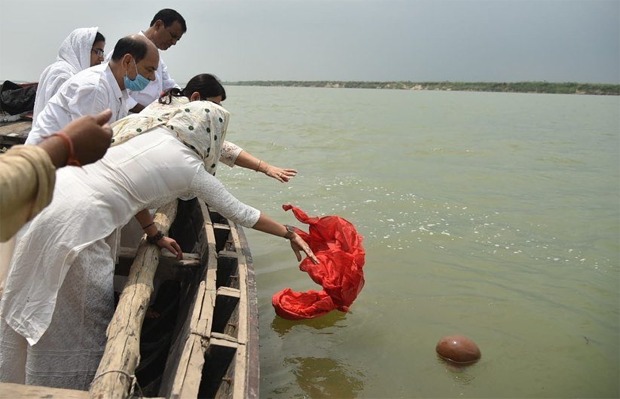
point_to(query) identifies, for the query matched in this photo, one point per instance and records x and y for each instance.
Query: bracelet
(147, 226)
(290, 232)
(69, 144)
(154, 239)
(258, 167)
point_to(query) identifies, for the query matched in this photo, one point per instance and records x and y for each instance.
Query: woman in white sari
(83, 48)
(58, 298)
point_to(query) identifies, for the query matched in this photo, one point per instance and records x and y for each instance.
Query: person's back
(83, 48)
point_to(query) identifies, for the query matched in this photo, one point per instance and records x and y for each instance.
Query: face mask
(138, 84)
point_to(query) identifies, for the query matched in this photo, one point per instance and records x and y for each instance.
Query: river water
(491, 215)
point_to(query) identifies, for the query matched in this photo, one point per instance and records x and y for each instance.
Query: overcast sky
(415, 40)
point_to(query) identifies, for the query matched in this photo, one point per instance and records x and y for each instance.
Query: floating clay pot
(458, 349)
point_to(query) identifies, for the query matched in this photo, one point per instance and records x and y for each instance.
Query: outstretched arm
(212, 191)
(249, 161)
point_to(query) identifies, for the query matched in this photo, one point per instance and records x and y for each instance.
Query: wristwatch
(290, 232)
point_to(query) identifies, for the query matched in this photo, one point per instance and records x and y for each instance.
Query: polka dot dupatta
(200, 125)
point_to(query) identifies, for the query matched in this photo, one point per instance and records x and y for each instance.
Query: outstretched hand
(298, 244)
(280, 174)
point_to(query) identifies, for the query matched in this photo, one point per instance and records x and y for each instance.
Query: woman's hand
(280, 174)
(298, 244)
(171, 245)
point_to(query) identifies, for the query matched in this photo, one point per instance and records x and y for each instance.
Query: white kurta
(89, 92)
(163, 82)
(73, 57)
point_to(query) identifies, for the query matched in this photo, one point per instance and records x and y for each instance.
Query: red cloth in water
(338, 247)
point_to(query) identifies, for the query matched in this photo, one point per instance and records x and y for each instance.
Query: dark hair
(168, 16)
(137, 48)
(205, 84)
(99, 38)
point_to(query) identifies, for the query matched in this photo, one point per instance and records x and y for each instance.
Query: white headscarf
(200, 125)
(73, 57)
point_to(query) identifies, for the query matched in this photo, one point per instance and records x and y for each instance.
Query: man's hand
(91, 136)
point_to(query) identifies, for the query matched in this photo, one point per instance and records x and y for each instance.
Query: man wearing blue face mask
(132, 66)
(136, 84)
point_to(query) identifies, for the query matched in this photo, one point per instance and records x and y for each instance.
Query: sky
(340, 40)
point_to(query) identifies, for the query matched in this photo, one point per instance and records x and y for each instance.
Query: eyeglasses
(98, 51)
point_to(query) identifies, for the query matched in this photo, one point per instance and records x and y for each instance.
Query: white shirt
(162, 82)
(88, 92)
(89, 203)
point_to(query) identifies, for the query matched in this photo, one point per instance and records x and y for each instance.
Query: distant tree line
(515, 87)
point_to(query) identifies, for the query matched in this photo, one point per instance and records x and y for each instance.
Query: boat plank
(190, 384)
(242, 322)
(114, 378)
(184, 370)
(181, 350)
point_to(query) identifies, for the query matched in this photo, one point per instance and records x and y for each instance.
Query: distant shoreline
(514, 87)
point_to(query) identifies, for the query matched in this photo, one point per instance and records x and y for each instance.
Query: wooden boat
(204, 342)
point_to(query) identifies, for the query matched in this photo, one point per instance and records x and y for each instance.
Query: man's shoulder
(89, 82)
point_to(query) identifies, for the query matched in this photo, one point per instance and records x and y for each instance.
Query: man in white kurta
(88, 92)
(97, 88)
(166, 29)
(74, 55)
